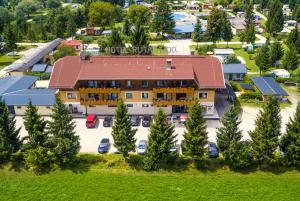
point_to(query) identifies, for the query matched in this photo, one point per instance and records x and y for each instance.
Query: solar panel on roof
(268, 86)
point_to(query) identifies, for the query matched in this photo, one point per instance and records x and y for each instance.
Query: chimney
(168, 64)
(83, 55)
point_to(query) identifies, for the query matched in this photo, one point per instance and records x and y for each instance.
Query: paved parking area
(90, 138)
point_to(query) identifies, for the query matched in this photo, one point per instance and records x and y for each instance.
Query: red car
(91, 121)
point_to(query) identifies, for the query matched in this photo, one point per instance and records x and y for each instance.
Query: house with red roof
(76, 44)
(93, 85)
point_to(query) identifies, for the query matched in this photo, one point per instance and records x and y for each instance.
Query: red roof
(205, 70)
(72, 42)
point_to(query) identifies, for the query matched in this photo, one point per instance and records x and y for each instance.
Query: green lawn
(111, 179)
(250, 63)
(7, 60)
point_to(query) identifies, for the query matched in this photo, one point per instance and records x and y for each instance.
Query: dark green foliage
(290, 141)
(214, 25)
(290, 61)
(126, 28)
(115, 43)
(10, 37)
(229, 133)
(163, 21)
(227, 34)
(122, 132)
(161, 139)
(232, 59)
(275, 20)
(293, 39)
(64, 141)
(195, 135)
(197, 34)
(38, 160)
(265, 136)
(251, 95)
(296, 13)
(9, 135)
(71, 25)
(139, 41)
(35, 127)
(276, 52)
(249, 33)
(262, 59)
(293, 4)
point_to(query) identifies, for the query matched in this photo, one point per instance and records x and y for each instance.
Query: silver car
(142, 147)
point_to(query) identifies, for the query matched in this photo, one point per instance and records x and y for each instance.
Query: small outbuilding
(269, 87)
(246, 87)
(183, 31)
(234, 72)
(281, 73)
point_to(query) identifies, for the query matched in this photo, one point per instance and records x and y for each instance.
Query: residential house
(234, 72)
(76, 44)
(238, 25)
(93, 85)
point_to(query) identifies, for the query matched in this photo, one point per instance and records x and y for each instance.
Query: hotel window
(159, 83)
(203, 95)
(128, 83)
(145, 105)
(145, 95)
(71, 95)
(128, 95)
(145, 83)
(92, 84)
(129, 105)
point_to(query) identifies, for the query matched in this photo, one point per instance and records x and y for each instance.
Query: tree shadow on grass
(84, 162)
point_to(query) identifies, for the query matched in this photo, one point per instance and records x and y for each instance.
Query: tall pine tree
(290, 141)
(65, 143)
(227, 34)
(195, 135)
(262, 59)
(9, 134)
(265, 136)
(163, 21)
(160, 141)
(35, 126)
(214, 25)
(115, 43)
(275, 17)
(139, 41)
(290, 60)
(249, 33)
(122, 132)
(197, 34)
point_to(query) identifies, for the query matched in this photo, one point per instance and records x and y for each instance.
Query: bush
(239, 155)
(38, 160)
(283, 80)
(251, 95)
(235, 86)
(162, 47)
(203, 49)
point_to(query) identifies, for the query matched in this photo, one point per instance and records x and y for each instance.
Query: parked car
(142, 147)
(104, 146)
(91, 121)
(213, 151)
(135, 120)
(107, 122)
(146, 121)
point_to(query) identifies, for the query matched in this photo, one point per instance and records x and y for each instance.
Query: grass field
(111, 179)
(7, 60)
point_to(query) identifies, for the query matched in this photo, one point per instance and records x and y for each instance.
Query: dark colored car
(146, 121)
(135, 121)
(213, 151)
(107, 122)
(91, 121)
(104, 146)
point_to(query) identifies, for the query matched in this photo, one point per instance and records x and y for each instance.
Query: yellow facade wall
(63, 96)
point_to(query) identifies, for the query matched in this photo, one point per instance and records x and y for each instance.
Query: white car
(142, 147)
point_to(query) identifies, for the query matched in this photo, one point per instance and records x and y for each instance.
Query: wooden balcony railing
(98, 102)
(188, 90)
(99, 90)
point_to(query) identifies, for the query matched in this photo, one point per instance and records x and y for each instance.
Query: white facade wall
(42, 110)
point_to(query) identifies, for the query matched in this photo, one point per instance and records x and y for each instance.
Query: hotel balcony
(188, 90)
(99, 90)
(163, 102)
(98, 102)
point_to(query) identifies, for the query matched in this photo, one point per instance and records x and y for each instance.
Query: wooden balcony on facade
(158, 102)
(98, 102)
(188, 90)
(99, 90)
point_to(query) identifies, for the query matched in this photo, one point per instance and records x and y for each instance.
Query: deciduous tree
(163, 21)
(102, 14)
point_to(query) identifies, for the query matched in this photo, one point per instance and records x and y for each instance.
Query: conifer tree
(290, 141)
(126, 28)
(139, 41)
(35, 127)
(249, 33)
(160, 141)
(262, 59)
(227, 34)
(214, 25)
(293, 39)
(275, 17)
(10, 37)
(290, 60)
(229, 132)
(265, 136)
(71, 25)
(163, 21)
(9, 134)
(197, 34)
(276, 52)
(115, 43)
(195, 135)
(65, 143)
(122, 132)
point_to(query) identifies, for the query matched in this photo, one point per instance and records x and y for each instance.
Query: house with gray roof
(17, 91)
(234, 72)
